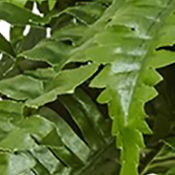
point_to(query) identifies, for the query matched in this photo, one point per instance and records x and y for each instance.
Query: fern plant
(99, 68)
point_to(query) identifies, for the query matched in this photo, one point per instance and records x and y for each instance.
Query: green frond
(106, 50)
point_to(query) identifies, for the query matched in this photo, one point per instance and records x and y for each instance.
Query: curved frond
(113, 46)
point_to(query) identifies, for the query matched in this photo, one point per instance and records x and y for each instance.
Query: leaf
(36, 126)
(21, 89)
(6, 47)
(12, 14)
(81, 12)
(11, 164)
(53, 52)
(47, 162)
(60, 127)
(12, 144)
(73, 32)
(68, 136)
(17, 2)
(39, 94)
(64, 83)
(71, 140)
(126, 46)
(46, 140)
(10, 115)
(51, 4)
(44, 74)
(6, 64)
(163, 162)
(28, 131)
(80, 115)
(34, 36)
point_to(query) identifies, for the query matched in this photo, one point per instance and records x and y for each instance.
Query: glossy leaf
(12, 14)
(39, 94)
(44, 142)
(53, 52)
(76, 53)
(127, 45)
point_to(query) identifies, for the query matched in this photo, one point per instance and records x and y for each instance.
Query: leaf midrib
(145, 58)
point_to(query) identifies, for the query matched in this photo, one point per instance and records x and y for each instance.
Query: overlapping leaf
(41, 92)
(12, 14)
(128, 39)
(128, 47)
(48, 145)
(163, 162)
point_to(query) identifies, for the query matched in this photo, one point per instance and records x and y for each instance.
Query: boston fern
(100, 67)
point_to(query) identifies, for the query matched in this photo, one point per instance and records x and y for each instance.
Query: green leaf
(11, 110)
(21, 87)
(127, 46)
(10, 115)
(47, 162)
(81, 12)
(6, 64)
(11, 164)
(73, 32)
(115, 45)
(37, 126)
(12, 14)
(63, 83)
(163, 161)
(47, 141)
(39, 94)
(77, 146)
(17, 2)
(82, 117)
(53, 52)
(12, 144)
(33, 37)
(51, 4)
(6, 47)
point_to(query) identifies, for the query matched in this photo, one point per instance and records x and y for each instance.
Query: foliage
(109, 50)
